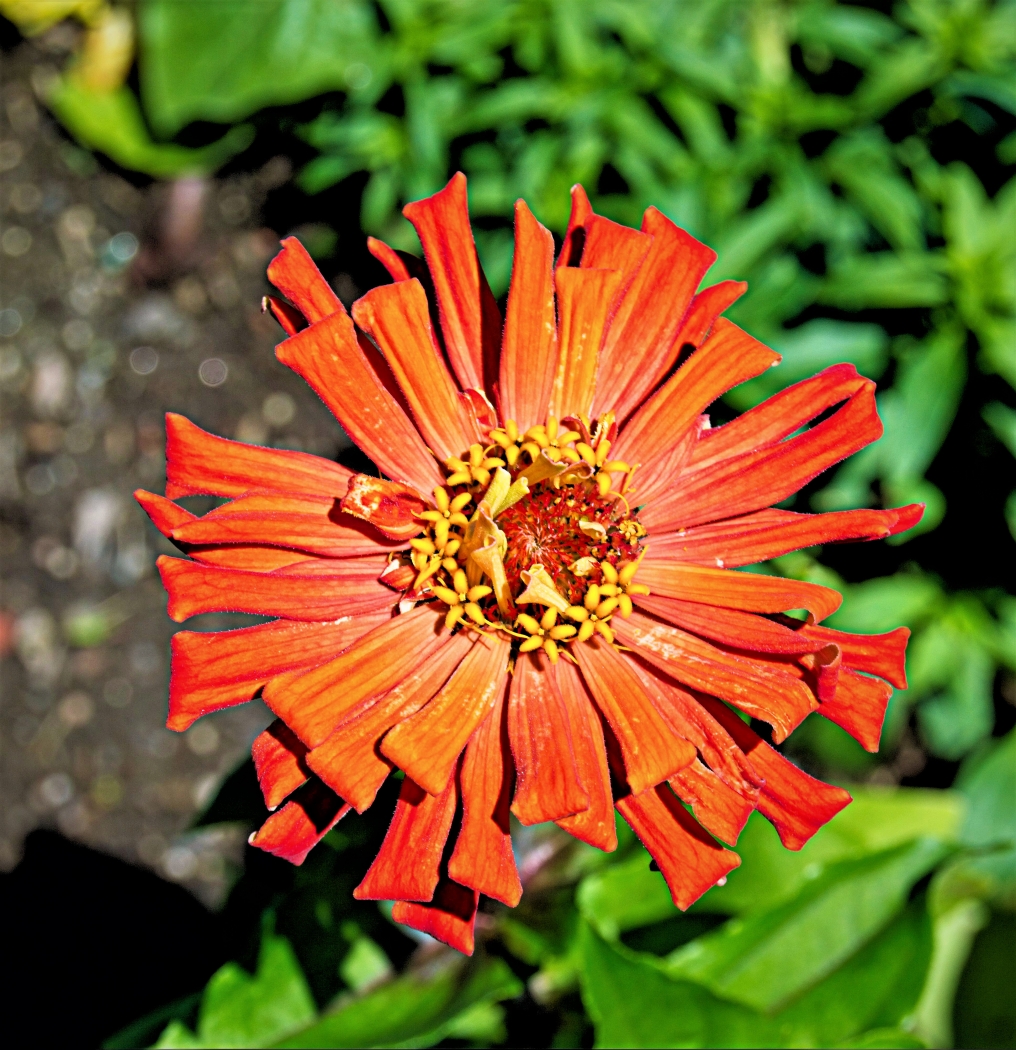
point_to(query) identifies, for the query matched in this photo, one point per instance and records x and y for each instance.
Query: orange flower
(539, 612)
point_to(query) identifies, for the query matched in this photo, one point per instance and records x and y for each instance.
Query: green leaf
(989, 783)
(765, 959)
(880, 605)
(624, 897)
(417, 1009)
(884, 1039)
(223, 61)
(1002, 421)
(985, 1012)
(886, 279)
(111, 123)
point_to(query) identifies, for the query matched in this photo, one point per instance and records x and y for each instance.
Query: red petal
(755, 479)
(483, 859)
(529, 352)
(689, 719)
(408, 864)
(165, 514)
(197, 589)
(728, 357)
(397, 318)
(732, 627)
(650, 749)
(293, 272)
(279, 760)
(356, 384)
(450, 917)
(719, 809)
(595, 825)
(611, 246)
(768, 534)
(349, 761)
(212, 670)
(388, 506)
(858, 706)
(640, 349)
(294, 830)
(881, 654)
(389, 258)
(780, 415)
(470, 319)
(584, 302)
(549, 784)
(290, 319)
(763, 692)
(313, 704)
(427, 745)
(575, 235)
(748, 591)
(688, 857)
(310, 523)
(705, 308)
(198, 463)
(796, 804)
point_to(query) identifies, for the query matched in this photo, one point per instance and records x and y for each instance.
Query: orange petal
(640, 348)
(611, 246)
(881, 654)
(529, 353)
(293, 272)
(389, 258)
(397, 318)
(858, 706)
(199, 463)
(796, 804)
(310, 523)
(313, 704)
(216, 669)
(690, 720)
(279, 761)
(427, 745)
(763, 692)
(450, 917)
(756, 479)
(769, 533)
(575, 235)
(483, 859)
(718, 808)
(652, 752)
(732, 627)
(290, 319)
(595, 825)
(470, 319)
(549, 785)
(584, 301)
(748, 591)
(349, 761)
(294, 830)
(408, 864)
(195, 588)
(356, 384)
(165, 514)
(780, 415)
(705, 308)
(689, 859)
(728, 357)
(388, 506)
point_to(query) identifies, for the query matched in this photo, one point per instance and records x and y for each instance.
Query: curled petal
(390, 507)
(279, 759)
(294, 830)
(293, 272)
(718, 808)
(450, 917)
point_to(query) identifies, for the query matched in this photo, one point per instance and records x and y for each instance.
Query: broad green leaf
(241, 1010)
(884, 1039)
(989, 783)
(624, 896)
(416, 1009)
(884, 604)
(111, 123)
(764, 959)
(224, 60)
(633, 1003)
(985, 1011)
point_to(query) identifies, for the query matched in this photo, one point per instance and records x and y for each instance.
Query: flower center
(534, 536)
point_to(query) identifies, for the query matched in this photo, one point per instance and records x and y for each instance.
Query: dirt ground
(116, 305)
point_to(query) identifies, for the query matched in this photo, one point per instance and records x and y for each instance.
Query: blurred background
(854, 162)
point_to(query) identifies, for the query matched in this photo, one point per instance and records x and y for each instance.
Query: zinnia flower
(535, 608)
